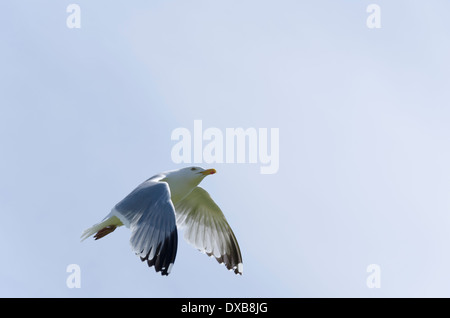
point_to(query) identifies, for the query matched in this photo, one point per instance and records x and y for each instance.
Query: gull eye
(193, 169)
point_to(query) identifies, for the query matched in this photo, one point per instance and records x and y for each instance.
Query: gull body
(162, 204)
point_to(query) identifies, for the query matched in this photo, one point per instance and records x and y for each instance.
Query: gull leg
(105, 231)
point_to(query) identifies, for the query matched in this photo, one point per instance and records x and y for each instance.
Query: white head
(183, 181)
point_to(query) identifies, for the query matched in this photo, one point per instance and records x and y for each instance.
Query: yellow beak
(208, 172)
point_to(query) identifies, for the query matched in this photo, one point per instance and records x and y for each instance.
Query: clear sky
(363, 116)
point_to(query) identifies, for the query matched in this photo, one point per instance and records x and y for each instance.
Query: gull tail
(102, 229)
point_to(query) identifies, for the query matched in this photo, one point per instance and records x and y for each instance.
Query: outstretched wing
(150, 214)
(206, 228)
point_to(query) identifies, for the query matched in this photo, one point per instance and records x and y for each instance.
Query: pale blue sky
(87, 114)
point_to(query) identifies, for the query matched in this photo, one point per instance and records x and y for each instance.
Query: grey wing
(150, 215)
(206, 228)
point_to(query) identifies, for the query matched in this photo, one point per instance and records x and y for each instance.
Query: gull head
(183, 181)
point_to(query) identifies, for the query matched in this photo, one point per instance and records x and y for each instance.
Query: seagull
(164, 203)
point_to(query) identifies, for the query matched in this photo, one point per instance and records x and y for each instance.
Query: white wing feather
(206, 228)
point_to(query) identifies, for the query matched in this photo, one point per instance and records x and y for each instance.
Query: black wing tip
(165, 271)
(236, 268)
(239, 269)
(165, 255)
(232, 263)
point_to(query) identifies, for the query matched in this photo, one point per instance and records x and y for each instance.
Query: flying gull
(167, 201)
